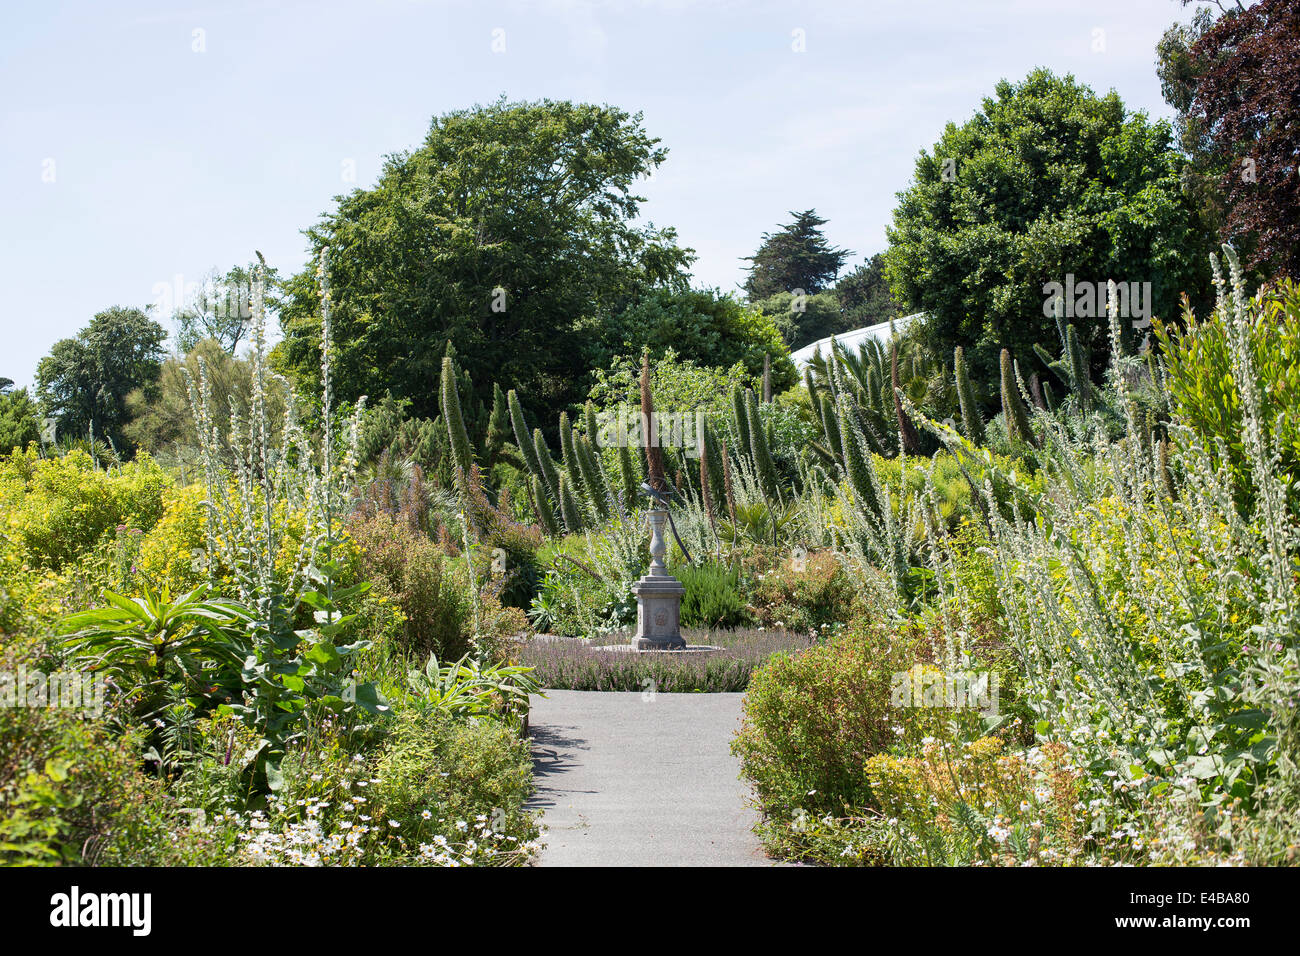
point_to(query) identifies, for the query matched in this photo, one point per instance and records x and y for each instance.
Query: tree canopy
(795, 257)
(1244, 101)
(510, 233)
(1047, 180)
(19, 423)
(221, 309)
(711, 329)
(85, 380)
(864, 294)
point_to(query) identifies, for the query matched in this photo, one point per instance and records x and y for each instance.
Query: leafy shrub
(72, 793)
(454, 771)
(813, 718)
(469, 689)
(418, 789)
(431, 591)
(958, 804)
(712, 597)
(1203, 383)
(588, 584)
(59, 508)
(151, 642)
(171, 554)
(808, 594)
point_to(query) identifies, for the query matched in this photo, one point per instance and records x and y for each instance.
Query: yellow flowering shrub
(57, 509)
(974, 803)
(171, 552)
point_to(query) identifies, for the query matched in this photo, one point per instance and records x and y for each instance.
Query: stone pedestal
(658, 597)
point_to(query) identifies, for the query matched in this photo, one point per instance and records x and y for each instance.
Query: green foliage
(803, 319)
(292, 670)
(546, 464)
(797, 256)
(972, 423)
(811, 720)
(71, 793)
(1203, 383)
(84, 381)
(430, 591)
(542, 508)
(1047, 179)
(864, 295)
(60, 508)
(758, 524)
(469, 689)
(678, 385)
(19, 424)
(808, 594)
(593, 478)
(511, 231)
(712, 597)
(569, 507)
(462, 452)
(713, 331)
(740, 419)
(1014, 412)
(162, 415)
(519, 426)
(759, 451)
(435, 768)
(222, 308)
(858, 468)
(150, 642)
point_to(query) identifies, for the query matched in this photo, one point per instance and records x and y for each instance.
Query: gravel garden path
(630, 780)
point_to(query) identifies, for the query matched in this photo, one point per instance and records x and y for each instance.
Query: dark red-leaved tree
(1247, 100)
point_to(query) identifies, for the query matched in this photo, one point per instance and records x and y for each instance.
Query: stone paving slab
(627, 780)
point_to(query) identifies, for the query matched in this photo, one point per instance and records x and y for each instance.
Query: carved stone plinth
(658, 597)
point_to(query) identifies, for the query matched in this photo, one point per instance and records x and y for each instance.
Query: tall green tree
(19, 417)
(221, 308)
(86, 379)
(1047, 180)
(796, 256)
(510, 232)
(864, 295)
(803, 319)
(711, 329)
(162, 416)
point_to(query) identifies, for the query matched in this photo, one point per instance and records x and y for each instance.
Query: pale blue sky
(167, 162)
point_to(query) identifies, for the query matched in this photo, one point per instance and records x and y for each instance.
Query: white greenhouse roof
(850, 341)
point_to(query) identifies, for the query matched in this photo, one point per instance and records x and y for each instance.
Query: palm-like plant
(467, 689)
(147, 641)
(757, 523)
